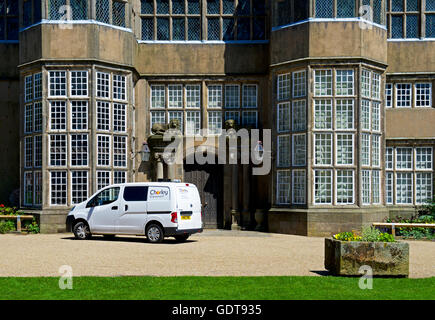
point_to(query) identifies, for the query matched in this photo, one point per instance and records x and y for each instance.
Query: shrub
(6, 226)
(5, 210)
(370, 234)
(33, 227)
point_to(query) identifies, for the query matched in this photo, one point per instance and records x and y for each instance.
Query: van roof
(169, 183)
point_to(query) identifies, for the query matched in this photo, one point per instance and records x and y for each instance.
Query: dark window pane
(37, 11)
(411, 26)
(162, 29)
(243, 29)
(213, 29)
(193, 7)
(178, 28)
(397, 5)
(178, 7)
(135, 193)
(147, 6)
(412, 5)
(228, 29)
(12, 7)
(259, 7)
(301, 10)
(259, 29)
(244, 7)
(213, 6)
(102, 10)
(324, 8)
(228, 6)
(396, 27)
(2, 29)
(2, 7)
(79, 9)
(430, 26)
(27, 13)
(345, 8)
(147, 29)
(162, 6)
(12, 28)
(194, 31)
(282, 12)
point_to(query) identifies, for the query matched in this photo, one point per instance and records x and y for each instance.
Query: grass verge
(216, 288)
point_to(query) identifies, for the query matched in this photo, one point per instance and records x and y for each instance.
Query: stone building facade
(344, 85)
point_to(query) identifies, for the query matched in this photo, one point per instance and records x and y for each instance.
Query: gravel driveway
(212, 253)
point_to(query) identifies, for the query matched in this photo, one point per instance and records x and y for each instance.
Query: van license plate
(185, 217)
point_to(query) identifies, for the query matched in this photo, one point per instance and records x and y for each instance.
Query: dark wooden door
(208, 180)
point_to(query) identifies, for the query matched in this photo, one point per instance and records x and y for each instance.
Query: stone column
(235, 198)
(246, 214)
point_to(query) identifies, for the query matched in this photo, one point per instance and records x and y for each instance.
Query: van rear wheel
(81, 231)
(182, 238)
(154, 233)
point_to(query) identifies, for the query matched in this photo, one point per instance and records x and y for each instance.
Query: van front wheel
(155, 233)
(81, 231)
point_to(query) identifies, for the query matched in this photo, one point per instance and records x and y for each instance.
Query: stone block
(344, 258)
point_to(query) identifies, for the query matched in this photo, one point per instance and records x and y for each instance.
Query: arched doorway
(208, 179)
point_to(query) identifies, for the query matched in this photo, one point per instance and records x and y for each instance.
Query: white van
(154, 209)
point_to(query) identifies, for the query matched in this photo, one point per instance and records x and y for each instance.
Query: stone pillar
(246, 214)
(235, 198)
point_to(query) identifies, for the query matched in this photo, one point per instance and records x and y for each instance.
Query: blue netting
(396, 27)
(411, 26)
(244, 7)
(213, 6)
(54, 7)
(162, 29)
(259, 29)
(397, 5)
(228, 6)
(162, 6)
(178, 29)
(345, 8)
(147, 28)
(102, 11)
(118, 14)
(228, 29)
(243, 29)
(430, 5)
(193, 7)
(324, 8)
(147, 6)
(178, 7)
(430, 26)
(194, 31)
(79, 9)
(412, 5)
(213, 29)
(377, 12)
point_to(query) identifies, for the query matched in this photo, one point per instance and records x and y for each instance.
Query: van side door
(103, 210)
(133, 211)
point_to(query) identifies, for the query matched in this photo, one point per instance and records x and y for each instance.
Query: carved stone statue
(230, 124)
(161, 128)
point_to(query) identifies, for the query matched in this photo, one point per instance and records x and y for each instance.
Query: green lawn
(198, 288)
